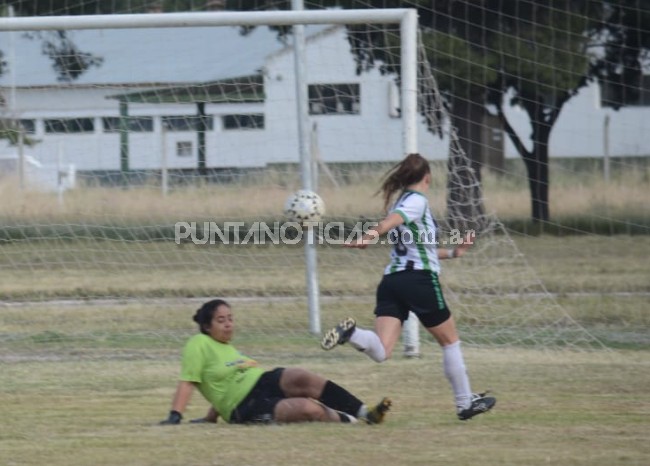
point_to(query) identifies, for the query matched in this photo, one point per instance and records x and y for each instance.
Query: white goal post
(406, 18)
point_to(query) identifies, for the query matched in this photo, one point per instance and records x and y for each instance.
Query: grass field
(91, 328)
(87, 383)
(568, 409)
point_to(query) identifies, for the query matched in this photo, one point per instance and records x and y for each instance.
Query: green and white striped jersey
(414, 242)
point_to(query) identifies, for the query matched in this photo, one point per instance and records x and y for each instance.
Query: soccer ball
(304, 206)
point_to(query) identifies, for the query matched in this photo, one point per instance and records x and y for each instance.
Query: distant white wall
(373, 135)
(579, 130)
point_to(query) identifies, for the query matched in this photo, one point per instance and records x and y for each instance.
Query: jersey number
(396, 240)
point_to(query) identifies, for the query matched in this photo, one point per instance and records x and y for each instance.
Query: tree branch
(514, 137)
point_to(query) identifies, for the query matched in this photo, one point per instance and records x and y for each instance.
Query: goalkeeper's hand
(202, 420)
(211, 417)
(174, 418)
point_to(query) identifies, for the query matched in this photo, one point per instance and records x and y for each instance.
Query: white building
(358, 124)
(252, 124)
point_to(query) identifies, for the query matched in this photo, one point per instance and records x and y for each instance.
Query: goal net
(171, 152)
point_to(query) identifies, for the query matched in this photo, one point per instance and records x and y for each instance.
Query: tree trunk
(536, 161)
(538, 179)
(464, 199)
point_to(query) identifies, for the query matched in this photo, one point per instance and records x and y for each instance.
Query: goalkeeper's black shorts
(259, 404)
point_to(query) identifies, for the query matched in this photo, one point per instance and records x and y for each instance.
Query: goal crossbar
(406, 17)
(258, 18)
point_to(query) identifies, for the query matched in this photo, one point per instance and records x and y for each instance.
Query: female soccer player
(410, 283)
(240, 392)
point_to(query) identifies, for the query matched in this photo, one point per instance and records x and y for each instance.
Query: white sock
(368, 342)
(454, 366)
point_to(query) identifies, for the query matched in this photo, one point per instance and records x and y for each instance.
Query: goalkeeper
(410, 283)
(241, 393)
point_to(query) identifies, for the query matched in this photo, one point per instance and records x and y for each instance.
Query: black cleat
(377, 414)
(480, 404)
(339, 334)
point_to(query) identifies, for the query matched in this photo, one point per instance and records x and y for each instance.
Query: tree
(483, 51)
(535, 53)
(68, 60)
(621, 48)
(564, 46)
(543, 63)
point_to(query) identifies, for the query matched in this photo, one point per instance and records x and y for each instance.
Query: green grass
(86, 379)
(87, 383)
(569, 409)
(52, 269)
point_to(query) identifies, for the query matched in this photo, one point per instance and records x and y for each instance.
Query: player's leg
(388, 328)
(468, 404)
(285, 395)
(301, 383)
(453, 362)
(425, 298)
(378, 344)
(306, 410)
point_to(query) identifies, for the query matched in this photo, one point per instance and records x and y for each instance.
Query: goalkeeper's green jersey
(223, 375)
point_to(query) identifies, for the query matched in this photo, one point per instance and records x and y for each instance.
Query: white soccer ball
(304, 206)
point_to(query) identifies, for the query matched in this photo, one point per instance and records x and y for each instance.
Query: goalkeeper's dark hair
(205, 313)
(410, 170)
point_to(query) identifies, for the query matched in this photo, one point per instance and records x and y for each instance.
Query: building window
(184, 149)
(28, 126)
(70, 125)
(186, 123)
(252, 121)
(134, 124)
(334, 99)
(615, 95)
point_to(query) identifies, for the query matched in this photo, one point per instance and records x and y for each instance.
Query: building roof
(245, 89)
(142, 56)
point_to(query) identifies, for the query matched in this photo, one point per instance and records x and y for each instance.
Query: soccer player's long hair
(410, 170)
(203, 316)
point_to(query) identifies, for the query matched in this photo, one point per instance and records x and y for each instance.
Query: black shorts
(259, 404)
(412, 290)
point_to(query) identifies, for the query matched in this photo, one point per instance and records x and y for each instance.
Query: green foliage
(456, 62)
(542, 54)
(9, 130)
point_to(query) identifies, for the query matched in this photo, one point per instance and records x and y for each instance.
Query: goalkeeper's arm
(182, 397)
(212, 417)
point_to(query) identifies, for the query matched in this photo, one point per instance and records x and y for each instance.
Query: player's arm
(181, 399)
(372, 235)
(212, 416)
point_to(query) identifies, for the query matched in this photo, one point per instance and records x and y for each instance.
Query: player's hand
(174, 418)
(464, 246)
(363, 242)
(203, 420)
(358, 244)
